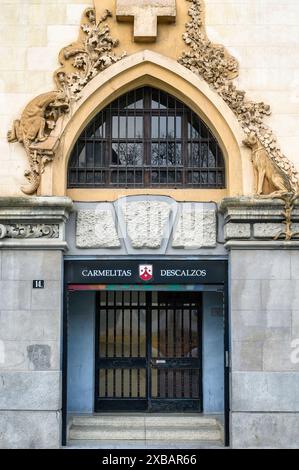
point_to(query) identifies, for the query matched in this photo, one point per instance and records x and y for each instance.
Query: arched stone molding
(150, 68)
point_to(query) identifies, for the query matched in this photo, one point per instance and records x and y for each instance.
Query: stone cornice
(259, 223)
(31, 223)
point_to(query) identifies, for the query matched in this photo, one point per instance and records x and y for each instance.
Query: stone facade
(258, 236)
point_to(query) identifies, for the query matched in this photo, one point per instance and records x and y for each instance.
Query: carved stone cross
(145, 14)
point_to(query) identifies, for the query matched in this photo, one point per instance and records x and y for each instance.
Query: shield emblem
(146, 272)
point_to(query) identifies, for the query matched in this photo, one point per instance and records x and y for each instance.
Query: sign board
(146, 272)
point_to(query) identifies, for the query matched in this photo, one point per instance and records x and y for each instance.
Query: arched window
(146, 139)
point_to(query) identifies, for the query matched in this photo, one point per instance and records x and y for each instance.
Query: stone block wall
(30, 349)
(264, 324)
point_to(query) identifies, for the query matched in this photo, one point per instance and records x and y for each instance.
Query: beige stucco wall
(262, 34)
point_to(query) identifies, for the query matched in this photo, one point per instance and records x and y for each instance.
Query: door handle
(157, 362)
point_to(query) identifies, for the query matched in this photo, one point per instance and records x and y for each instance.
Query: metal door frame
(223, 287)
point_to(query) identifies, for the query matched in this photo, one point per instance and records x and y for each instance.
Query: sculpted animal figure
(265, 169)
(32, 124)
(36, 122)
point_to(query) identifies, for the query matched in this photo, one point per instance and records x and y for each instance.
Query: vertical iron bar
(114, 342)
(190, 346)
(174, 350)
(148, 297)
(122, 340)
(166, 347)
(114, 324)
(159, 350)
(139, 314)
(131, 339)
(182, 351)
(107, 324)
(107, 342)
(139, 309)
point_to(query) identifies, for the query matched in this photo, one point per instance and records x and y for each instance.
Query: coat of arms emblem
(146, 272)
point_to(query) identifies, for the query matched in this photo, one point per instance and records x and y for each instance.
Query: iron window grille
(145, 139)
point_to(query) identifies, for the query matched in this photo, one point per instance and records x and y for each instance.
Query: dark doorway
(148, 351)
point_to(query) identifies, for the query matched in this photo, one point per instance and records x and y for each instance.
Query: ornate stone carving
(96, 229)
(92, 53)
(289, 204)
(196, 228)
(146, 222)
(80, 62)
(29, 231)
(145, 14)
(213, 63)
(266, 169)
(36, 122)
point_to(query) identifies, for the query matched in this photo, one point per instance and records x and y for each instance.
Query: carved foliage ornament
(80, 62)
(214, 64)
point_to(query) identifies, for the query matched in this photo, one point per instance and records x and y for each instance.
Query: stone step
(150, 420)
(184, 434)
(140, 444)
(145, 432)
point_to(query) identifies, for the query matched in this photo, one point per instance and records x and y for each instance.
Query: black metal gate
(148, 351)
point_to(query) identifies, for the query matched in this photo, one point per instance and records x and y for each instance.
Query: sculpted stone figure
(36, 122)
(36, 117)
(266, 169)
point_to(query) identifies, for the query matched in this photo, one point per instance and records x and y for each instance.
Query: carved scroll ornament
(20, 231)
(80, 62)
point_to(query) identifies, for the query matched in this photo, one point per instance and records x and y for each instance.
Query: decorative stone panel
(96, 229)
(146, 222)
(270, 230)
(196, 228)
(237, 231)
